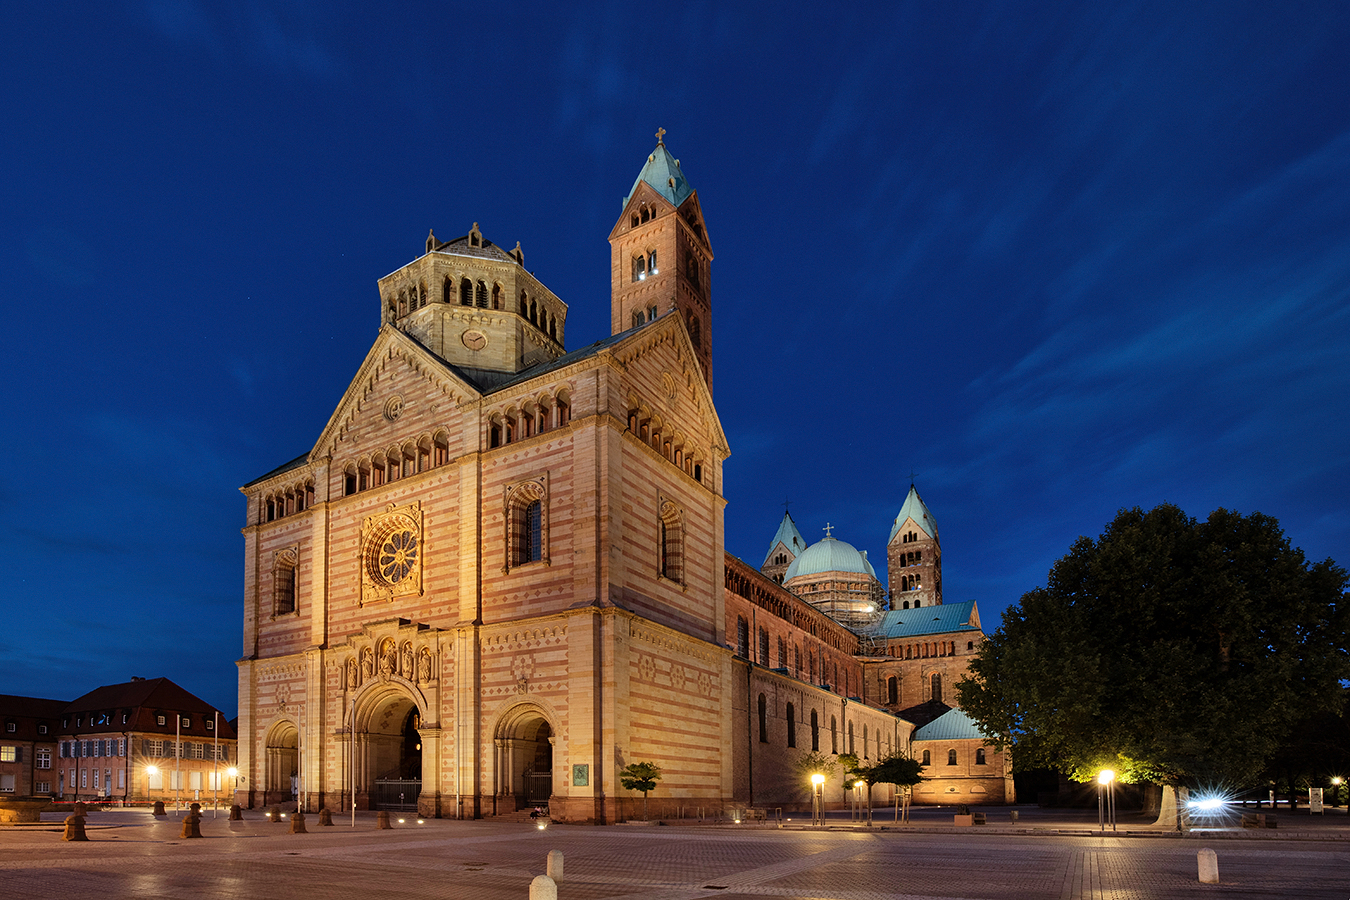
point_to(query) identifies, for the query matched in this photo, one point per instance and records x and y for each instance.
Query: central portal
(524, 762)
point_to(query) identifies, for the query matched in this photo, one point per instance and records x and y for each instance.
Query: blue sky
(1055, 259)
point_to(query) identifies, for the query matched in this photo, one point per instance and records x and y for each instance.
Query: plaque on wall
(581, 775)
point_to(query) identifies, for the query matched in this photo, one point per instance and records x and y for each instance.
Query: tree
(902, 771)
(640, 776)
(1170, 650)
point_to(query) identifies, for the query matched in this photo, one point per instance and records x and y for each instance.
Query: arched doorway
(281, 778)
(390, 748)
(524, 761)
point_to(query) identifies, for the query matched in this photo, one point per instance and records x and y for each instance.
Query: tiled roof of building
(925, 712)
(284, 467)
(33, 707)
(144, 699)
(787, 535)
(460, 247)
(662, 172)
(914, 508)
(829, 555)
(902, 623)
(951, 726)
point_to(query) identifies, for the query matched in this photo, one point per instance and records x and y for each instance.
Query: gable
(400, 389)
(666, 377)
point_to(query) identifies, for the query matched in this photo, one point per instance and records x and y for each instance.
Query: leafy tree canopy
(1169, 649)
(897, 769)
(640, 776)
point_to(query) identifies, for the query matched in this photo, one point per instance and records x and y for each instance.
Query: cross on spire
(911, 476)
(786, 504)
(660, 133)
(826, 529)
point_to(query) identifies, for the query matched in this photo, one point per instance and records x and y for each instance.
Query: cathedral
(499, 575)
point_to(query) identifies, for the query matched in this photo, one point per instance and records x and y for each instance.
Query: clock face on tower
(474, 340)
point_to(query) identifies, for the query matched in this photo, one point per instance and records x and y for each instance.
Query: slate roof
(903, 623)
(787, 535)
(913, 508)
(951, 726)
(460, 247)
(662, 172)
(925, 712)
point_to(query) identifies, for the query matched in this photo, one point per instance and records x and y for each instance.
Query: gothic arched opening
(282, 767)
(390, 753)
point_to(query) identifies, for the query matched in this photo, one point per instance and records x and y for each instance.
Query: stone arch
(281, 760)
(523, 762)
(390, 723)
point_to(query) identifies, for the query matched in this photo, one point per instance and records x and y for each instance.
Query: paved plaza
(1046, 855)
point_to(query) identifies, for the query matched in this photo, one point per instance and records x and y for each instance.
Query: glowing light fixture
(1106, 777)
(817, 779)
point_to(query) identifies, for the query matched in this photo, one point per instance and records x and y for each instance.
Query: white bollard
(1208, 862)
(555, 865)
(543, 888)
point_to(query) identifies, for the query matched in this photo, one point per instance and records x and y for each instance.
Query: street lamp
(1336, 791)
(1106, 779)
(150, 772)
(817, 788)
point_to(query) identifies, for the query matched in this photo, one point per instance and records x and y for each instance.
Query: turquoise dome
(829, 555)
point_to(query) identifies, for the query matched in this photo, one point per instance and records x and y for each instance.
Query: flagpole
(215, 752)
(177, 760)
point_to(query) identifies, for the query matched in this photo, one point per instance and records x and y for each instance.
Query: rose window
(397, 556)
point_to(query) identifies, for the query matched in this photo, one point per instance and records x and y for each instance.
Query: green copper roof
(952, 726)
(788, 536)
(903, 623)
(829, 555)
(662, 172)
(913, 508)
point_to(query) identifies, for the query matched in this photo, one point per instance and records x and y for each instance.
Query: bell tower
(660, 257)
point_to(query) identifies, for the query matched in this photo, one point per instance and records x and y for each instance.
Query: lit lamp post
(817, 787)
(234, 784)
(1336, 791)
(150, 773)
(1107, 780)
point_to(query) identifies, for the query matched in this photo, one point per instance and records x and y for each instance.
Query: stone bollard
(192, 822)
(1012, 814)
(236, 813)
(298, 824)
(79, 809)
(274, 813)
(555, 865)
(159, 809)
(382, 821)
(543, 888)
(74, 829)
(1208, 861)
(325, 817)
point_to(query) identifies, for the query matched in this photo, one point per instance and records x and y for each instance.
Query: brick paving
(132, 855)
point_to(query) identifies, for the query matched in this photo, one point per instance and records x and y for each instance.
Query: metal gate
(538, 788)
(397, 793)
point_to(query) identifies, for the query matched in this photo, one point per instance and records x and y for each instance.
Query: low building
(27, 745)
(143, 740)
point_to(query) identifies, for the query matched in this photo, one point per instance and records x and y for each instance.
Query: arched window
(651, 263)
(979, 756)
(791, 726)
(695, 331)
(925, 760)
(763, 720)
(970, 645)
(917, 604)
(893, 691)
(638, 318)
(465, 292)
(283, 583)
(864, 742)
(834, 734)
(937, 688)
(951, 757)
(763, 656)
(447, 290)
(672, 558)
(527, 524)
(534, 313)
(742, 637)
(815, 731)
(639, 268)
(850, 737)
(480, 296)
(496, 296)
(552, 328)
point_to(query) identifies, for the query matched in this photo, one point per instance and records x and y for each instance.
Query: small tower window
(651, 264)
(465, 292)
(639, 268)
(480, 296)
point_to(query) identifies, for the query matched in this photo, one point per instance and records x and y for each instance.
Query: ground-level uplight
(817, 799)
